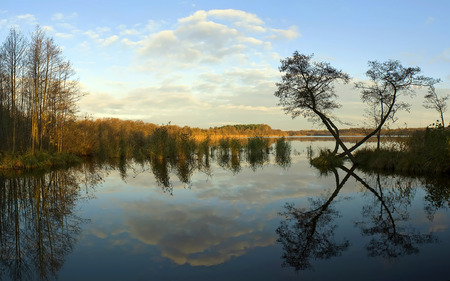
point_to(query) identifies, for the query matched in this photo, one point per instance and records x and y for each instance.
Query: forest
(39, 117)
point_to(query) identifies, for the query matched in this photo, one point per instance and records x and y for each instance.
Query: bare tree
(307, 89)
(36, 66)
(13, 51)
(433, 101)
(388, 82)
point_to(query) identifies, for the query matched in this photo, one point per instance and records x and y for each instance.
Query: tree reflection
(308, 234)
(438, 195)
(38, 225)
(385, 218)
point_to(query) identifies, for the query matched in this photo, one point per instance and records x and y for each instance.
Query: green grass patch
(326, 161)
(39, 160)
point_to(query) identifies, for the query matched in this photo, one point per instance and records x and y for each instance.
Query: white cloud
(218, 64)
(207, 37)
(48, 28)
(210, 37)
(251, 108)
(110, 40)
(285, 34)
(63, 17)
(130, 32)
(103, 29)
(128, 42)
(63, 35)
(27, 18)
(97, 36)
(241, 19)
(92, 34)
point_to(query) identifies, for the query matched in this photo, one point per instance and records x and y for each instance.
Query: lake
(233, 217)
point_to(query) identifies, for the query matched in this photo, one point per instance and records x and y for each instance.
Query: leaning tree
(307, 89)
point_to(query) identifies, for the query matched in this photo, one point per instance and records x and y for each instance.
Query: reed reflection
(38, 224)
(308, 234)
(229, 154)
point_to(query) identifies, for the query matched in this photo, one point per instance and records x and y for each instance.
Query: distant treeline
(112, 137)
(355, 132)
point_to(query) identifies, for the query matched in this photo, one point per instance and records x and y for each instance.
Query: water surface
(229, 218)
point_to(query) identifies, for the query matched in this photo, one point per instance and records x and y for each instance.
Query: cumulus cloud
(27, 18)
(216, 59)
(211, 36)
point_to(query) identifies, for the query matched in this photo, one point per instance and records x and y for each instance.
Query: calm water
(253, 219)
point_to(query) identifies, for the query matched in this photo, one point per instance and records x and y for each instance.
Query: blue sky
(212, 63)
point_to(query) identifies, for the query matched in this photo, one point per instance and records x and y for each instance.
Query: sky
(213, 63)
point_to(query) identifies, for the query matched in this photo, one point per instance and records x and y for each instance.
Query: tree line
(38, 93)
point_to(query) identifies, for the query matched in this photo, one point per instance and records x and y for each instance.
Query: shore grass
(425, 153)
(40, 160)
(326, 161)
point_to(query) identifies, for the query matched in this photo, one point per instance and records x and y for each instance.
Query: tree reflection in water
(308, 234)
(38, 225)
(386, 217)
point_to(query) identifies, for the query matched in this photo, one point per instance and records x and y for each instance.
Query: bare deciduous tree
(433, 101)
(388, 82)
(307, 89)
(13, 55)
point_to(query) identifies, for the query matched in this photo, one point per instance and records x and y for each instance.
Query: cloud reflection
(197, 235)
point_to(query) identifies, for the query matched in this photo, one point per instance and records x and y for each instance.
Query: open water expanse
(229, 218)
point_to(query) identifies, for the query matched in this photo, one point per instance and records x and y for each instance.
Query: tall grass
(425, 152)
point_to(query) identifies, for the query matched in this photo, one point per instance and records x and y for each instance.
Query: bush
(326, 161)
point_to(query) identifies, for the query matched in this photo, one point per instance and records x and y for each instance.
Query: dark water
(232, 218)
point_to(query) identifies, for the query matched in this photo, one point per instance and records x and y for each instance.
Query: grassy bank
(426, 152)
(40, 160)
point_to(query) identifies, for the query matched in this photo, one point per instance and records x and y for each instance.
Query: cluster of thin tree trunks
(38, 93)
